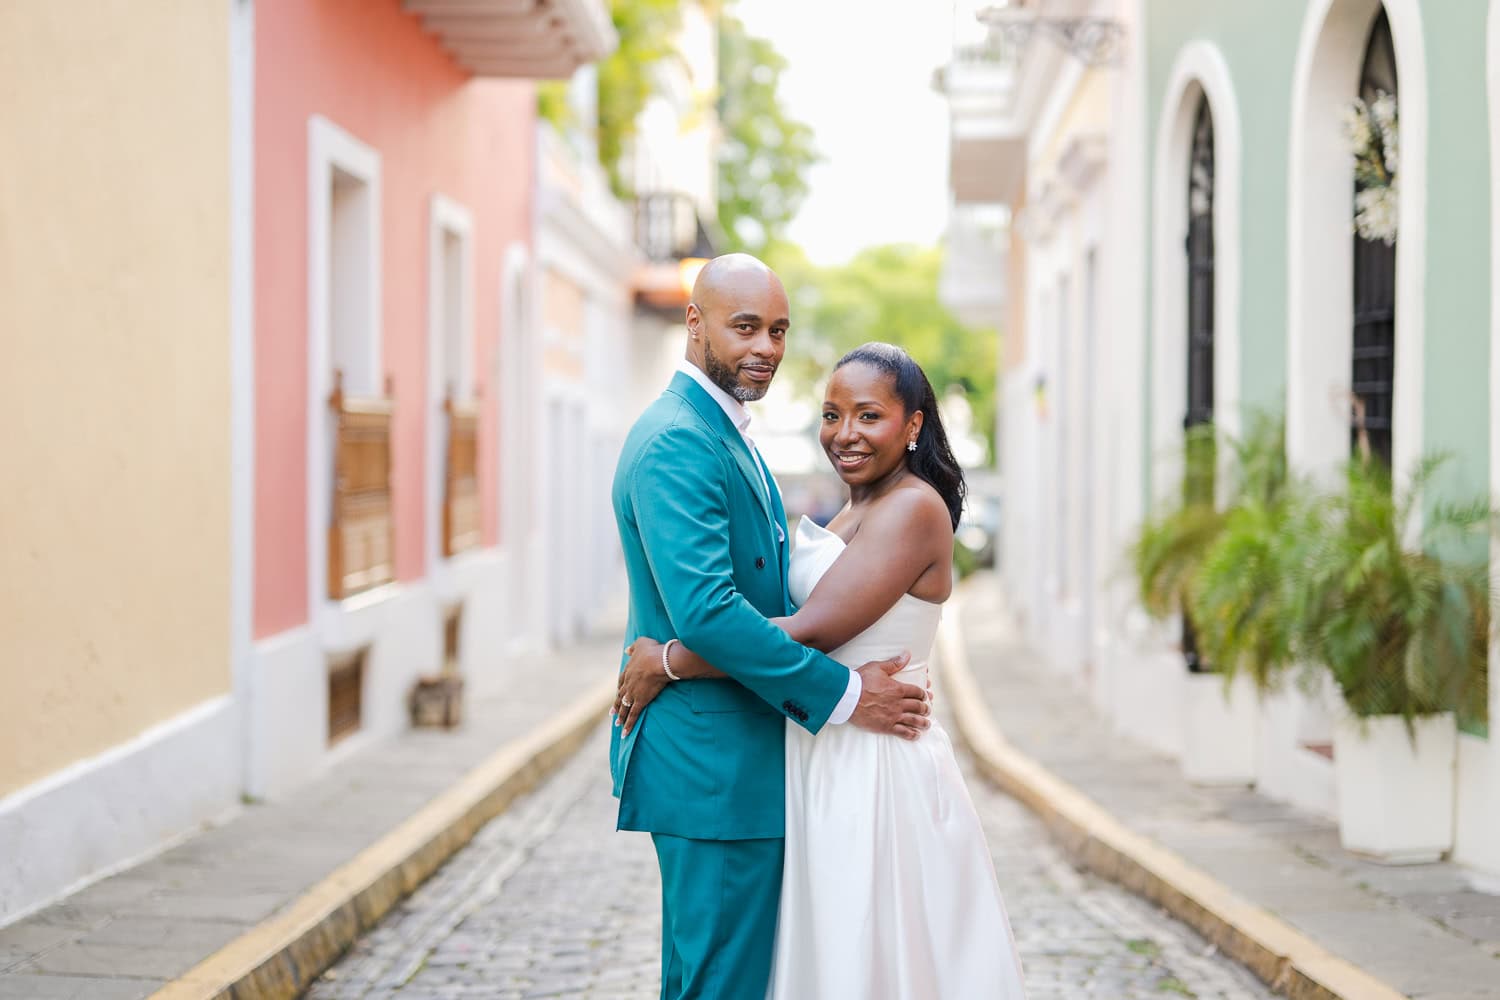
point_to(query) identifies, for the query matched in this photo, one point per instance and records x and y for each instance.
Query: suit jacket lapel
(715, 417)
(778, 511)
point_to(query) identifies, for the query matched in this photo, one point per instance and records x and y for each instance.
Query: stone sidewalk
(126, 936)
(1422, 929)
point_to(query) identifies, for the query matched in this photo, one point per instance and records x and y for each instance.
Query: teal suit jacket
(707, 566)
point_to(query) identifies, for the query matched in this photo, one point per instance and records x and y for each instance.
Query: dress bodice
(911, 623)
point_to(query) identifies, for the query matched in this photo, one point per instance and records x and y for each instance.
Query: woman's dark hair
(933, 460)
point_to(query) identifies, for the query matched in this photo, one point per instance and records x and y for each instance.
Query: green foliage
(965, 560)
(627, 78)
(765, 155)
(552, 104)
(1286, 575)
(1168, 552)
(1170, 547)
(1243, 596)
(1403, 628)
(884, 293)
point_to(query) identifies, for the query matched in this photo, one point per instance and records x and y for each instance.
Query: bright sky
(860, 74)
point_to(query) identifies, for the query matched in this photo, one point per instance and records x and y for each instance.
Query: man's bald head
(737, 322)
(730, 274)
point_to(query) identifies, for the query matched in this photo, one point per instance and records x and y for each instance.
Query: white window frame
(332, 150)
(1320, 253)
(515, 381)
(446, 217)
(1200, 71)
(1492, 81)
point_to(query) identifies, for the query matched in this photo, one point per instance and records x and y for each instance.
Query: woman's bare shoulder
(912, 508)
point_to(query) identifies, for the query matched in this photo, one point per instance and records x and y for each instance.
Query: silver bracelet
(666, 662)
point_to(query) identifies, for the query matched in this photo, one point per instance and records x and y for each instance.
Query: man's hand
(889, 706)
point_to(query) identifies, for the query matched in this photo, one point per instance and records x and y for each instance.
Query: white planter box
(1219, 730)
(1148, 699)
(1396, 801)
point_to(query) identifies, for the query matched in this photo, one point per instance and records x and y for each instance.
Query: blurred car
(979, 529)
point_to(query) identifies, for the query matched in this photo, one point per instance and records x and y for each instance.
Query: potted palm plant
(1169, 556)
(1401, 623)
(1169, 546)
(1243, 595)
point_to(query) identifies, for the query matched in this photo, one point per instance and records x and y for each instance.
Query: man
(703, 529)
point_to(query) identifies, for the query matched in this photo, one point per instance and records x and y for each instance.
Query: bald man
(704, 533)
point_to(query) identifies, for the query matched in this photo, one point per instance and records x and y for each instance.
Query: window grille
(1198, 483)
(1200, 254)
(1373, 369)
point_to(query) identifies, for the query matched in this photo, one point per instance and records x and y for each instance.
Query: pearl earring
(911, 445)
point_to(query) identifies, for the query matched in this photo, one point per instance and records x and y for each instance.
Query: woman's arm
(902, 537)
(643, 677)
(899, 540)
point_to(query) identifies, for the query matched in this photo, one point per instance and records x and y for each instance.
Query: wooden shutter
(361, 529)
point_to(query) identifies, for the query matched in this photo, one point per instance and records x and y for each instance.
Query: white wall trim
(107, 812)
(1319, 250)
(242, 365)
(446, 217)
(520, 478)
(1492, 84)
(1200, 69)
(332, 149)
(512, 380)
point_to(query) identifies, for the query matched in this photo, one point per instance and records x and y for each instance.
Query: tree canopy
(885, 293)
(647, 31)
(765, 153)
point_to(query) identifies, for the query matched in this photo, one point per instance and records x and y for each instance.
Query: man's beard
(728, 379)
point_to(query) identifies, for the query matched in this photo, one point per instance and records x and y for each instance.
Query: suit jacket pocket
(709, 696)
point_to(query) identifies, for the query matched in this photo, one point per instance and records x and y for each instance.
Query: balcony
(676, 241)
(534, 39)
(972, 283)
(987, 143)
(668, 227)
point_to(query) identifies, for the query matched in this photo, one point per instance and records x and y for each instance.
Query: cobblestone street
(548, 901)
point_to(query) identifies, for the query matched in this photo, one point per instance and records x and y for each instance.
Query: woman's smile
(849, 461)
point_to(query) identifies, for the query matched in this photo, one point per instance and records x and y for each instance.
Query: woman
(888, 892)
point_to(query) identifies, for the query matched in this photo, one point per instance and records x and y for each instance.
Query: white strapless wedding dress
(888, 891)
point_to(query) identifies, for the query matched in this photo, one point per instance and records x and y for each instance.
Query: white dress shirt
(740, 417)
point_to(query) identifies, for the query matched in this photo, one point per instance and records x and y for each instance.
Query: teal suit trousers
(718, 912)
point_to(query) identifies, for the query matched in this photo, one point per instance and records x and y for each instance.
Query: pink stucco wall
(366, 66)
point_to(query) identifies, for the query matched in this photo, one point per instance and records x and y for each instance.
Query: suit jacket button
(760, 562)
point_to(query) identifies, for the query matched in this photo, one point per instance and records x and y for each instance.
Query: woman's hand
(640, 682)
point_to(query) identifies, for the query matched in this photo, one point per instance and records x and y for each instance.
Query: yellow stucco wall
(114, 373)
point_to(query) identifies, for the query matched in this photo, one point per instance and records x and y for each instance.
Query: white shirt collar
(733, 408)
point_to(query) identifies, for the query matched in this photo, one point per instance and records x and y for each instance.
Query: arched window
(1200, 284)
(1373, 373)
(1198, 483)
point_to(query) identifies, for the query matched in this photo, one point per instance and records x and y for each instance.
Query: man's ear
(694, 320)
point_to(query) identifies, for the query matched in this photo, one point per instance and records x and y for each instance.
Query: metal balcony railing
(668, 228)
